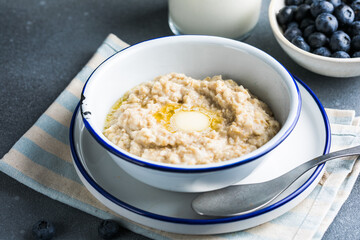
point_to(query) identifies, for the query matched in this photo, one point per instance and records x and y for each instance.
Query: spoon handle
(243, 199)
(300, 170)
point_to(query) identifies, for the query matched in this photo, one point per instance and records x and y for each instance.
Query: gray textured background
(44, 44)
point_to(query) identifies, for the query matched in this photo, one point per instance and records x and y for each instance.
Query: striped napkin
(41, 160)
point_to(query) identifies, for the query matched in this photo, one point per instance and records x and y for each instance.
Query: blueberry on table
(285, 15)
(317, 39)
(322, 51)
(321, 7)
(340, 54)
(43, 230)
(326, 23)
(355, 43)
(356, 54)
(303, 11)
(344, 14)
(292, 32)
(300, 43)
(340, 41)
(108, 229)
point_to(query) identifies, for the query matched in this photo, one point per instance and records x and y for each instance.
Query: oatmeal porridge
(180, 120)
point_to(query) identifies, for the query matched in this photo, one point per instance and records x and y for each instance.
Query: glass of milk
(226, 18)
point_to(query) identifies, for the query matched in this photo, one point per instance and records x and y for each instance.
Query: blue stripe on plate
(53, 128)
(68, 100)
(38, 155)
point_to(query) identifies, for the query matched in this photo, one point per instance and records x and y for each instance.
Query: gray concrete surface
(43, 44)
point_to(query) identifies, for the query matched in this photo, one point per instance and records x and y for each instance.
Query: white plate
(171, 211)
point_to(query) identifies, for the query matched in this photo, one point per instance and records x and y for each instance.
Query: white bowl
(197, 57)
(327, 66)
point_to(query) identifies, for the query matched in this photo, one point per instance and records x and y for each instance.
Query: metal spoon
(243, 199)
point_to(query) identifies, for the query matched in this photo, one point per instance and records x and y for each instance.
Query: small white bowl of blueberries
(322, 36)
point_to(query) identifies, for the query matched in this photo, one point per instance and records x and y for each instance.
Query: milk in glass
(227, 18)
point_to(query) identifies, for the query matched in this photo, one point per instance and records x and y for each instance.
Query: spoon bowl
(243, 199)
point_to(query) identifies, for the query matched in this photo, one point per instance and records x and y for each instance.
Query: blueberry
(292, 24)
(357, 16)
(290, 33)
(293, 2)
(354, 28)
(308, 30)
(356, 7)
(43, 230)
(355, 43)
(108, 229)
(326, 23)
(344, 14)
(285, 15)
(303, 11)
(306, 22)
(321, 7)
(310, 1)
(336, 3)
(340, 41)
(340, 54)
(317, 39)
(300, 43)
(324, 27)
(322, 51)
(356, 54)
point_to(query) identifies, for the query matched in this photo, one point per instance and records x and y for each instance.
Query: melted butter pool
(175, 117)
(113, 109)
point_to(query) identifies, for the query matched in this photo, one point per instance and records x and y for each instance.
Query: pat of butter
(189, 121)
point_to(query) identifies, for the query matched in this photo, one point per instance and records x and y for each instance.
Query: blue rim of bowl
(180, 169)
(147, 214)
